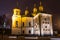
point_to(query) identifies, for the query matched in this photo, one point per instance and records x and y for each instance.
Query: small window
(29, 31)
(45, 26)
(23, 31)
(46, 22)
(23, 23)
(45, 19)
(16, 23)
(29, 24)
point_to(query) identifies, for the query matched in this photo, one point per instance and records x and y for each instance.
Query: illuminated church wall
(33, 25)
(36, 25)
(39, 24)
(16, 22)
(43, 22)
(27, 25)
(16, 18)
(46, 24)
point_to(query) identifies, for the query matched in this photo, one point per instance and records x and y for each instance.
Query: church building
(39, 23)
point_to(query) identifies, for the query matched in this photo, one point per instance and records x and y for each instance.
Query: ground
(9, 37)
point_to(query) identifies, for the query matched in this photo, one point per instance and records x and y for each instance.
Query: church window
(23, 31)
(29, 24)
(45, 19)
(29, 31)
(45, 26)
(23, 23)
(16, 23)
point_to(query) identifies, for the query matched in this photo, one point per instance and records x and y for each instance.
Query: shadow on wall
(58, 23)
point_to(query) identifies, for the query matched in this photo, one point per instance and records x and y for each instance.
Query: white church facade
(40, 24)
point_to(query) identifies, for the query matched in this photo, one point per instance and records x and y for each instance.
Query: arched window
(16, 23)
(45, 26)
(23, 31)
(29, 31)
(23, 24)
(29, 24)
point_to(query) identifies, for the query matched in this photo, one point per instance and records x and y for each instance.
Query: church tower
(34, 10)
(41, 8)
(16, 21)
(16, 18)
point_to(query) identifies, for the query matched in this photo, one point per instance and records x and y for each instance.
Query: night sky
(6, 6)
(51, 6)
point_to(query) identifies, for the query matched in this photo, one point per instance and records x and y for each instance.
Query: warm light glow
(41, 7)
(40, 21)
(35, 10)
(26, 21)
(36, 16)
(16, 17)
(26, 12)
(16, 11)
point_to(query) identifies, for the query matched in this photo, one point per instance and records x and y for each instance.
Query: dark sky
(53, 6)
(6, 6)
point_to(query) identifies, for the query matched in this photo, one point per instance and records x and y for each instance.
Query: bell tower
(16, 11)
(16, 17)
(16, 21)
